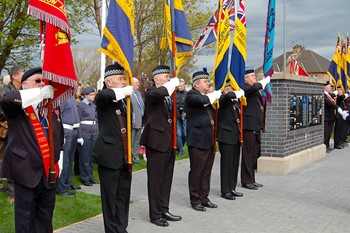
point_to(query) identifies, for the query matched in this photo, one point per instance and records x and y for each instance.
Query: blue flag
(118, 41)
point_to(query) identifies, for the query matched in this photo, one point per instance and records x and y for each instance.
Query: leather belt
(88, 122)
(71, 127)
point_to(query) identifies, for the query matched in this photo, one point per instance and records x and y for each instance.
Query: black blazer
(252, 113)
(228, 113)
(22, 161)
(199, 128)
(329, 109)
(109, 148)
(157, 132)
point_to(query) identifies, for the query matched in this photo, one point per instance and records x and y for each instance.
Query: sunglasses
(38, 80)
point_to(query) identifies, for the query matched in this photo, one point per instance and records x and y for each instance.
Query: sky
(313, 24)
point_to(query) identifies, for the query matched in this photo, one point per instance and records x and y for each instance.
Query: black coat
(253, 116)
(157, 132)
(330, 108)
(109, 148)
(199, 127)
(22, 161)
(228, 114)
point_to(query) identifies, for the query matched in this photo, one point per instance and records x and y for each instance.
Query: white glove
(335, 92)
(346, 95)
(121, 92)
(171, 85)
(128, 90)
(214, 96)
(265, 81)
(239, 93)
(345, 114)
(80, 141)
(35, 95)
(340, 111)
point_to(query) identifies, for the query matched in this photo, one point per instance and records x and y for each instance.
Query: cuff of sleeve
(30, 96)
(119, 93)
(170, 87)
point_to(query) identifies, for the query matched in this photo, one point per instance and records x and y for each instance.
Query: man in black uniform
(253, 115)
(200, 139)
(340, 127)
(108, 151)
(330, 108)
(156, 137)
(228, 138)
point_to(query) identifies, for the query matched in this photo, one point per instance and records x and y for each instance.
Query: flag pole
(103, 56)
(173, 66)
(52, 170)
(128, 122)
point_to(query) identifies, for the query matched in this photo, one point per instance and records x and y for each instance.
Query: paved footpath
(315, 198)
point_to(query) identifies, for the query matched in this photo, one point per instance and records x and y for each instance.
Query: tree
(19, 32)
(87, 65)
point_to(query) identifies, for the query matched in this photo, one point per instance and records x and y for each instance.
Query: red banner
(52, 12)
(58, 65)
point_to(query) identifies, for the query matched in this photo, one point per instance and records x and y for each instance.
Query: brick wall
(278, 140)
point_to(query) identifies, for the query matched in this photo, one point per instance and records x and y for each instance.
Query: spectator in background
(16, 74)
(138, 110)
(6, 80)
(181, 117)
(72, 136)
(89, 132)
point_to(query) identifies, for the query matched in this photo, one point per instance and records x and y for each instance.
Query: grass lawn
(68, 210)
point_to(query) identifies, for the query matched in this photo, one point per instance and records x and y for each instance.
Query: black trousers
(340, 128)
(229, 163)
(160, 169)
(250, 155)
(115, 187)
(328, 129)
(201, 164)
(34, 208)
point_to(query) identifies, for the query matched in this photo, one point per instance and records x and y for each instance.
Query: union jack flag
(209, 34)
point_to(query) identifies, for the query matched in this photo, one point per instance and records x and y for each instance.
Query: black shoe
(338, 147)
(328, 150)
(170, 217)
(198, 207)
(236, 194)
(160, 222)
(210, 205)
(68, 194)
(228, 196)
(250, 186)
(94, 181)
(258, 185)
(87, 183)
(74, 187)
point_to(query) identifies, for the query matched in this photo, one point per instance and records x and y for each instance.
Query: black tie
(44, 124)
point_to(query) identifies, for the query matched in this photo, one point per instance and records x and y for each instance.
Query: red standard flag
(58, 65)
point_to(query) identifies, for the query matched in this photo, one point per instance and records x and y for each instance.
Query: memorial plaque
(305, 111)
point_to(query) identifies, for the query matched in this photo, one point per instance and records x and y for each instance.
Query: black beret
(228, 84)
(87, 90)
(161, 69)
(199, 75)
(114, 69)
(328, 83)
(31, 72)
(249, 69)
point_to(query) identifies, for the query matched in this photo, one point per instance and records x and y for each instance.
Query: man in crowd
(72, 135)
(330, 107)
(15, 84)
(156, 137)
(181, 117)
(229, 143)
(109, 151)
(26, 153)
(200, 139)
(253, 114)
(138, 111)
(340, 126)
